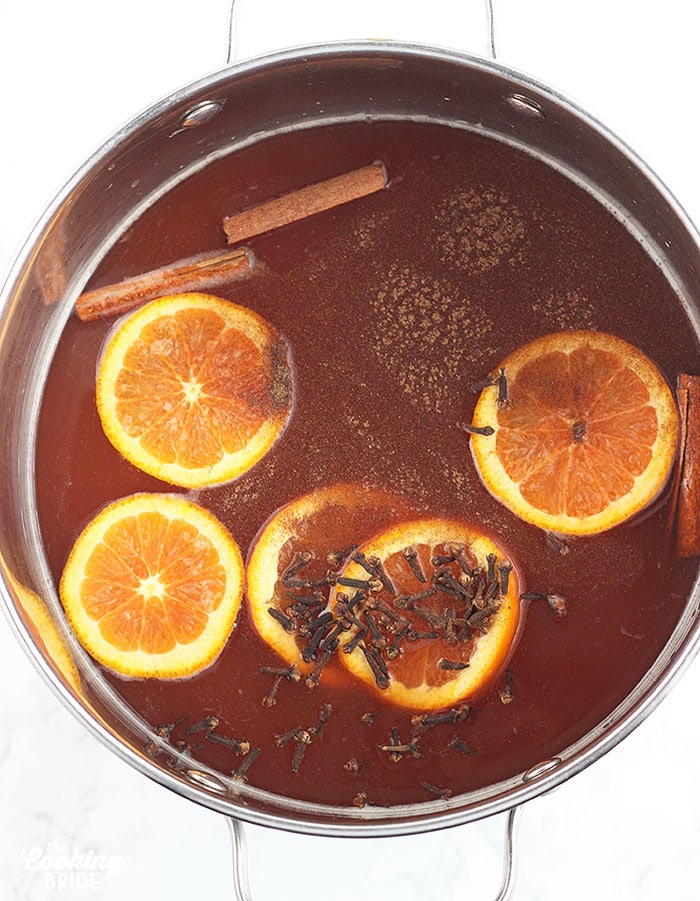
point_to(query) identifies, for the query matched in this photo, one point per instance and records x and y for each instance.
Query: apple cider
(395, 308)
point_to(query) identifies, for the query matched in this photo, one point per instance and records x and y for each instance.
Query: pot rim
(411, 818)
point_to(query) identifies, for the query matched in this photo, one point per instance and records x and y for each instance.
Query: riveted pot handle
(232, 53)
(241, 886)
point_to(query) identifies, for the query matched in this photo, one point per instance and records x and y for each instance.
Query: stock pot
(242, 103)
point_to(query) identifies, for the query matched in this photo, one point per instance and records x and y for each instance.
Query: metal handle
(241, 886)
(239, 851)
(509, 839)
(232, 49)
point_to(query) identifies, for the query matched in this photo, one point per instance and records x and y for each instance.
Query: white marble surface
(628, 828)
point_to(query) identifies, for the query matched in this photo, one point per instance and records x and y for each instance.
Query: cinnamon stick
(305, 202)
(192, 274)
(687, 490)
(51, 266)
(682, 400)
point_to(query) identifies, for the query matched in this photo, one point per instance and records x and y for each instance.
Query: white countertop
(628, 828)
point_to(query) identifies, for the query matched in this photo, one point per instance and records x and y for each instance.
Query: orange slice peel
(194, 389)
(45, 632)
(152, 587)
(582, 435)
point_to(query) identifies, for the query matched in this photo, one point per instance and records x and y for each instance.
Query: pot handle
(232, 53)
(241, 886)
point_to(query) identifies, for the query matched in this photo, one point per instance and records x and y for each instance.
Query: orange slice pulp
(152, 586)
(194, 389)
(581, 432)
(460, 596)
(326, 524)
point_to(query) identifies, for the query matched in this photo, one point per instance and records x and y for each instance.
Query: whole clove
(209, 722)
(557, 544)
(378, 640)
(442, 559)
(303, 739)
(452, 664)
(478, 620)
(164, 730)
(239, 745)
(485, 430)
(450, 636)
(393, 650)
(461, 746)
(506, 693)
(332, 639)
(491, 571)
(453, 716)
(411, 556)
(488, 382)
(325, 619)
(314, 676)
(241, 772)
(323, 717)
(432, 619)
(292, 673)
(309, 652)
(270, 698)
(396, 749)
(445, 581)
(556, 602)
(377, 665)
(348, 582)
(299, 561)
(350, 645)
(442, 793)
(504, 571)
(285, 621)
(373, 566)
(502, 400)
(414, 635)
(459, 551)
(286, 737)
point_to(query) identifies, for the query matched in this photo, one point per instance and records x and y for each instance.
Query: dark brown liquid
(393, 306)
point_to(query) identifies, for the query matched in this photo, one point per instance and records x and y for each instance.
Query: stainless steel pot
(250, 101)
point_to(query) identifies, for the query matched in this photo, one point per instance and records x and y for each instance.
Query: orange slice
(329, 521)
(152, 586)
(461, 599)
(194, 389)
(585, 438)
(45, 632)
